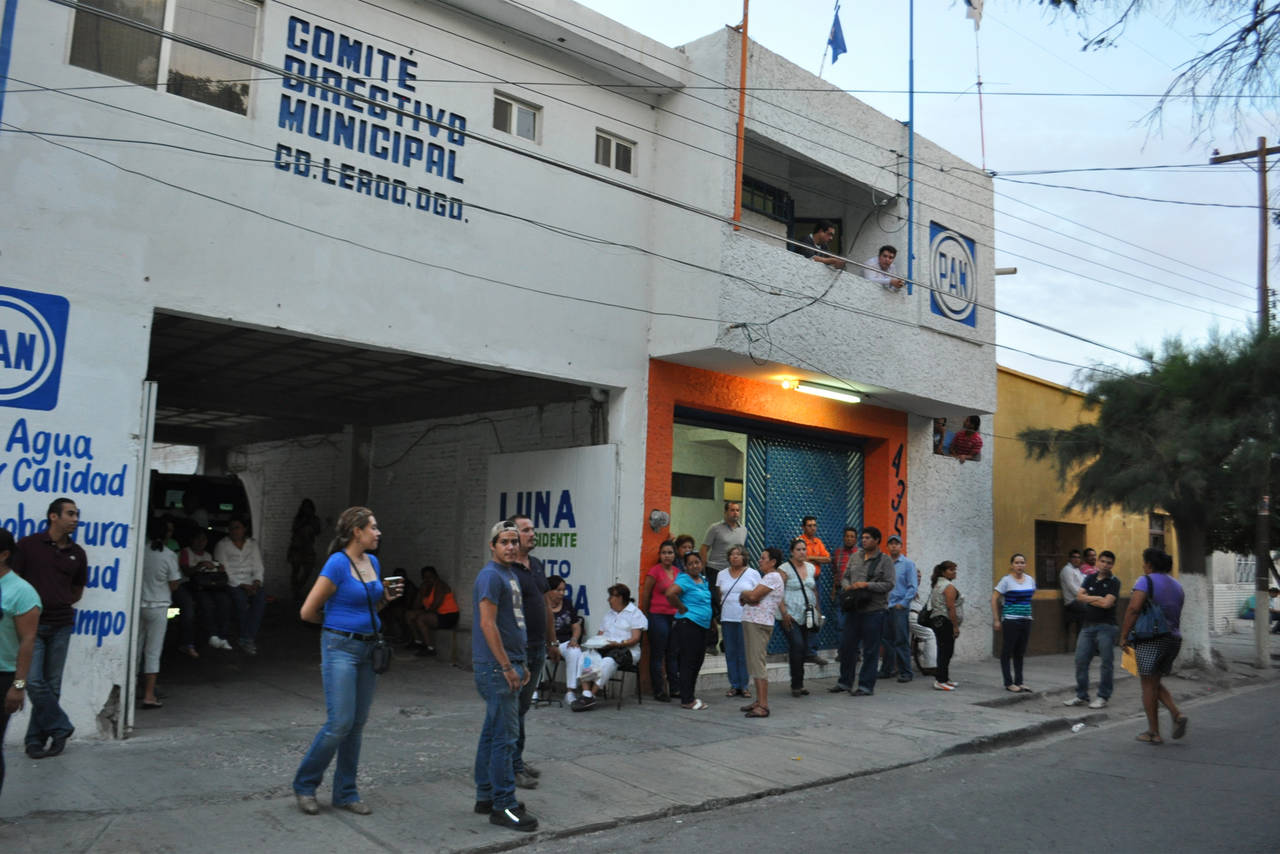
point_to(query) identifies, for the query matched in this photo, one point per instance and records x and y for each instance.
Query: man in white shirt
(880, 269)
(1070, 577)
(240, 557)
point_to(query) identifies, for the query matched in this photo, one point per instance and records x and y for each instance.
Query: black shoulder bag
(381, 649)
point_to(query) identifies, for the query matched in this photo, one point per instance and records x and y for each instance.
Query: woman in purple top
(1155, 656)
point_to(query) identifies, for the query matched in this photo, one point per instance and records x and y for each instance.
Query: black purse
(381, 657)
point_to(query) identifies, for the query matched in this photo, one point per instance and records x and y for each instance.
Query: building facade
(452, 260)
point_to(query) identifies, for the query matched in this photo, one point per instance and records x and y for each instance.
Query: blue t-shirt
(17, 597)
(696, 596)
(348, 608)
(500, 586)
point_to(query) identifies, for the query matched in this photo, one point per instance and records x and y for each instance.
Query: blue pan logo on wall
(33, 335)
(952, 275)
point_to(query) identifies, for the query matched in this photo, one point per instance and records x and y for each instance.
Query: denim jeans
(662, 652)
(249, 608)
(797, 648)
(537, 659)
(897, 642)
(6, 679)
(44, 686)
(494, 775)
(1095, 639)
(861, 629)
(346, 666)
(735, 654)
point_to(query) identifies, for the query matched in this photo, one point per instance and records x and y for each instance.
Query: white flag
(975, 11)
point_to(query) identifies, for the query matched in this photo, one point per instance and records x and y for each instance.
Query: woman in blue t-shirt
(345, 600)
(690, 595)
(1013, 620)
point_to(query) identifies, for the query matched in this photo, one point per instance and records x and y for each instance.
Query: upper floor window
(768, 200)
(614, 152)
(516, 117)
(126, 53)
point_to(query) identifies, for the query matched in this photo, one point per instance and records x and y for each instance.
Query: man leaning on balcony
(811, 245)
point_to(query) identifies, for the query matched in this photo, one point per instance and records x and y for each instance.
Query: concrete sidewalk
(211, 771)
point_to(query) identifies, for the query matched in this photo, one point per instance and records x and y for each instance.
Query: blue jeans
(346, 666)
(249, 608)
(861, 629)
(44, 686)
(1095, 639)
(662, 652)
(797, 648)
(735, 654)
(495, 777)
(897, 642)
(535, 662)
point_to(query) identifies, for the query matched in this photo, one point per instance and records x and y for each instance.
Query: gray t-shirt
(718, 540)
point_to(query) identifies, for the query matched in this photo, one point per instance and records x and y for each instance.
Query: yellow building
(1029, 504)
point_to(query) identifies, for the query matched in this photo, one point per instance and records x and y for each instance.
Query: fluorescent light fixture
(827, 392)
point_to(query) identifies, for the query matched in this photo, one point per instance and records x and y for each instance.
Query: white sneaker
(942, 686)
(218, 643)
(952, 684)
(570, 697)
(1098, 703)
(1075, 701)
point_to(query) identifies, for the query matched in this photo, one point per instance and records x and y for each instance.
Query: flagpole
(742, 117)
(982, 129)
(911, 143)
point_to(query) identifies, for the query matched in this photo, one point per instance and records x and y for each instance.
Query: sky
(1119, 273)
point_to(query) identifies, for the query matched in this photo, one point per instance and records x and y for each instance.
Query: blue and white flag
(975, 11)
(835, 41)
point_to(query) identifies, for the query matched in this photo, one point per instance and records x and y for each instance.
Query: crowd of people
(690, 601)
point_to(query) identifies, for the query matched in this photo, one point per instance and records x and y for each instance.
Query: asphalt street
(1098, 789)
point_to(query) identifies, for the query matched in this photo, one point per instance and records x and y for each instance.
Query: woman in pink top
(661, 614)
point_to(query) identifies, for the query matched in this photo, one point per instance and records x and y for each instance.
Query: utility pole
(1262, 536)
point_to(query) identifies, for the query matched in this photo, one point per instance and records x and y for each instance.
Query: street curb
(981, 744)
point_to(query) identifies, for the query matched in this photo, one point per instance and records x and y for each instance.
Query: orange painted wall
(671, 385)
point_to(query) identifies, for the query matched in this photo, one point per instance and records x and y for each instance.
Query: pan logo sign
(33, 334)
(953, 275)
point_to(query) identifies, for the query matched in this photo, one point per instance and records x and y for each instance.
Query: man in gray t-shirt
(721, 535)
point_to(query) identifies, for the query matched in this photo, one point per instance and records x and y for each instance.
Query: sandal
(156, 705)
(748, 707)
(732, 692)
(1180, 726)
(744, 693)
(1013, 689)
(695, 706)
(1150, 738)
(758, 712)
(1023, 689)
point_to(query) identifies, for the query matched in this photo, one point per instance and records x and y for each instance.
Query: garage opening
(291, 417)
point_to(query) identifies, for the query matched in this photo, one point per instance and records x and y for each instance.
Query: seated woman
(617, 641)
(439, 611)
(568, 629)
(207, 581)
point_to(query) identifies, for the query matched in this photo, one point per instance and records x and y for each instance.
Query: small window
(613, 152)
(125, 53)
(767, 199)
(515, 117)
(1156, 531)
(692, 486)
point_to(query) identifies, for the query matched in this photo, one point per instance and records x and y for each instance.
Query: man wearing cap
(498, 652)
(897, 628)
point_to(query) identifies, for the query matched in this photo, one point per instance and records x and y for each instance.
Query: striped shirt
(1017, 597)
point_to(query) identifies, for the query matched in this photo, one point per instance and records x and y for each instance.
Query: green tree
(1185, 437)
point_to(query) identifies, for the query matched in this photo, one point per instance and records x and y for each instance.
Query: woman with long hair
(160, 577)
(344, 600)
(1013, 620)
(947, 608)
(1155, 655)
(662, 618)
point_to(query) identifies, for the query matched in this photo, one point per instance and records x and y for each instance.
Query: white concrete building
(466, 229)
